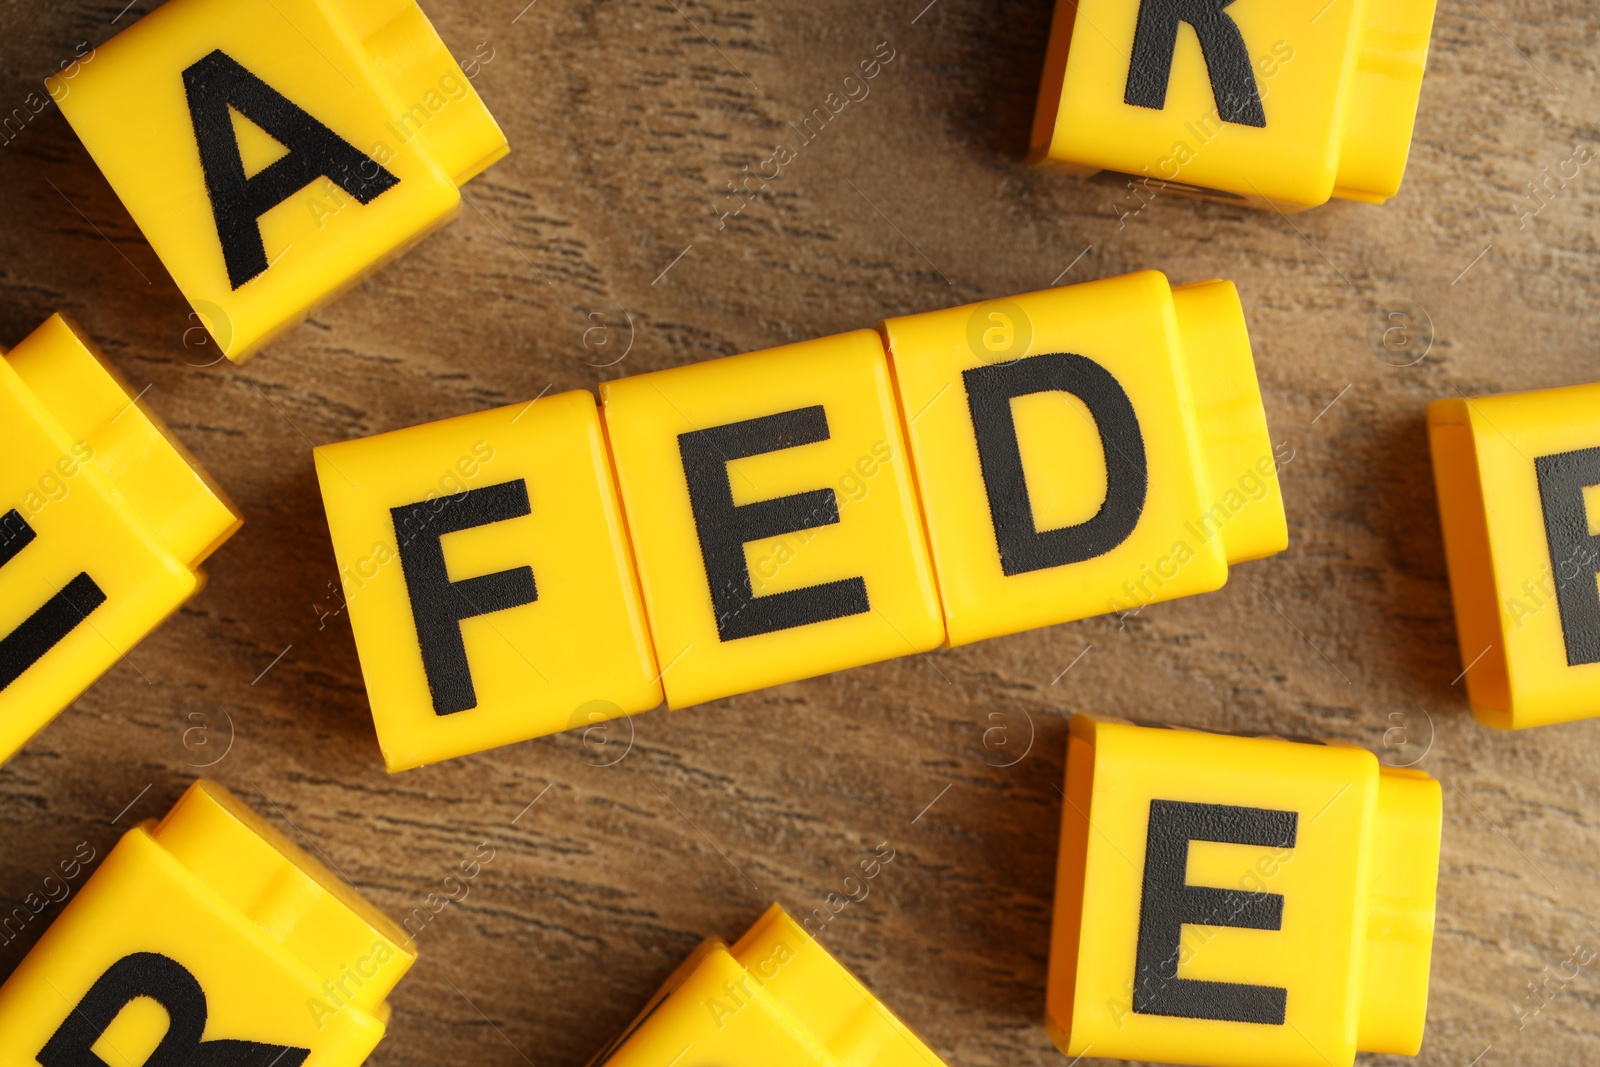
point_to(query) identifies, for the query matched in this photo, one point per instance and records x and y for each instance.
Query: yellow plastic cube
(276, 151)
(1270, 103)
(1518, 478)
(206, 938)
(1240, 901)
(489, 580)
(104, 521)
(774, 999)
(1086, 450)
(773, 515)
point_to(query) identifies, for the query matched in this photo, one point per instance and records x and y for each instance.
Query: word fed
(1240, 901)
(775, 998)
(1518, 478)
(773, 516)
(1281, 104)
(104, 521)
(206, 938)
(275, 151)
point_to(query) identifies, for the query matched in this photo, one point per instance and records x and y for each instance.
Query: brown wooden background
(627, 119)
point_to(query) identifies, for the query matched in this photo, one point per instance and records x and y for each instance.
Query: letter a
(215, 84)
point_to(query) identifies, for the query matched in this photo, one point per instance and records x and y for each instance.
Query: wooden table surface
(627, 122)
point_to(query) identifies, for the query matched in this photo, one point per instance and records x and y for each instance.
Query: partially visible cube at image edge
(1236, 901)
(1282, 104)
(105, 519)
(273, 152)
(206, 937)
(774, 998)
(1518, 479)
(489, 580)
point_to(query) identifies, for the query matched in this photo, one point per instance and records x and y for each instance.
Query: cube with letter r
(1270, 102)
(1518, 478)
(1239, 901)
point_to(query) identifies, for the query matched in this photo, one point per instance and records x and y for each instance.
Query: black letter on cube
(215, 84)
(1169, 902)
(1574, 552)
(1155, 40)
(437, 604)
(1024, 547)
(60, 615)
(169, 984)
(724, 527)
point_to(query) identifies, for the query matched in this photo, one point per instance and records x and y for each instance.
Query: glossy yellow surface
(107, 492)
(774, 999)
(580, 653)
(372, 71)
(1502, 577)
(1183, 359)
(1358, 888)
(283, 951)
(1338, 85)
(878, 536)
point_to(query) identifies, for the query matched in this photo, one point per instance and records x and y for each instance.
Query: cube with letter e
(773, 515)
(1518, 479)
(1235, 901)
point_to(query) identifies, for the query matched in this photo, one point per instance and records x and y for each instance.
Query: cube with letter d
(1086, 450)
(1518, 478)
(1235, 901)
(488, 579)
(772, 511)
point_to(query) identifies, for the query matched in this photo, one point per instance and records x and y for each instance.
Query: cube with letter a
(1518, 478)
(1236, 901)
(1271, 102)
(774, 998)
(1084, 450)
(275, 151)
(206, 938)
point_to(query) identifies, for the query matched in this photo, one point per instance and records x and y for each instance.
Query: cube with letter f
(1239, 901)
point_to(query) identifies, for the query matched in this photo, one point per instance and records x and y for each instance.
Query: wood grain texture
(628, 118)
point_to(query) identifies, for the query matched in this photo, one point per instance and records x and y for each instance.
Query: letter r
(1155, 40)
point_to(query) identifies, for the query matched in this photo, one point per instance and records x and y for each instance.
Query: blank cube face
(488, 579)
(274, 151)
(1212, 892)
(1518, 478)
(772, 511)
(1057, 456)
(1288, 103)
